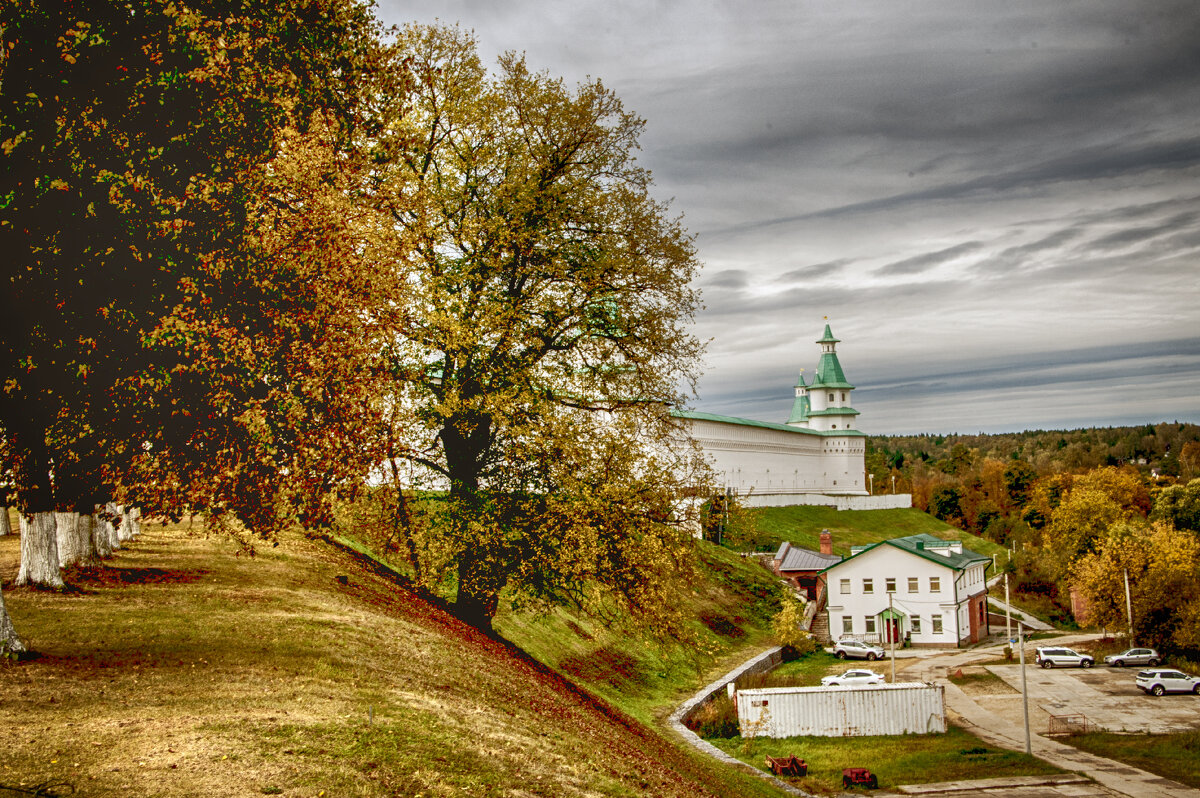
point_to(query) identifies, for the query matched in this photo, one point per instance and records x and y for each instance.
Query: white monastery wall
(763, 461)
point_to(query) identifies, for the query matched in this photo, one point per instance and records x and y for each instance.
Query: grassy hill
(764, 528)
(731, 605)
(182, 668)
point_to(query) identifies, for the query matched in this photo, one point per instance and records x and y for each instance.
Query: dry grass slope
(183, 669)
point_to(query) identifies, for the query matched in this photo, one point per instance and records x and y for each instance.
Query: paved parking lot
(1107, 696)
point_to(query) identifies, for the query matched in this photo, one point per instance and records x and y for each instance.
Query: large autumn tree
(178, 294)
(1162, 564)
(545, 335)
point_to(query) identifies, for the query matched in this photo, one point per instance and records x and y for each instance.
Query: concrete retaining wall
(766, 661)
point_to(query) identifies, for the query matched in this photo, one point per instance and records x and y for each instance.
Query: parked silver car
(1133, 656)
(853, 679)
(854, 649)
(1056, 656)
(1157, 682)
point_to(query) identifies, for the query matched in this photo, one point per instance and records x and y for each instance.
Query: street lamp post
(1024, 686)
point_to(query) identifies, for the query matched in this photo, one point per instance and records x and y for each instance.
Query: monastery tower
(825, 404)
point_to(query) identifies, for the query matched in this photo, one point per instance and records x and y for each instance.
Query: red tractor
(859, 777)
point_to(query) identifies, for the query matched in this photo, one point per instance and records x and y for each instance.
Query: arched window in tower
(831, 397)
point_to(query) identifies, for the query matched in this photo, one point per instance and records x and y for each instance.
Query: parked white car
(1052, 657)
(853, 679)
(854, 649)
(1165, 680)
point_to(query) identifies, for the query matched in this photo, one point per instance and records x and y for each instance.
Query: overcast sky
(995, 204)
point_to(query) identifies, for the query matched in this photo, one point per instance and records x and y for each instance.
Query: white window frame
(914, 622)
(935, 584)
(889, 584)
(914, 584)
(868, 586)
(847, 624)
(845, 586)
(937, 624)
(870, 626)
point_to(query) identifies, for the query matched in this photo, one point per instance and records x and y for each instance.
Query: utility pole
(1128, 607)
(1024, 687)
(892, 635)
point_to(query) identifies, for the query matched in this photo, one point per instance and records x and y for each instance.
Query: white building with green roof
(917, 589)
(815, 457)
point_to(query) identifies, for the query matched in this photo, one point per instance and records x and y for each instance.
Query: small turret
(800, 405)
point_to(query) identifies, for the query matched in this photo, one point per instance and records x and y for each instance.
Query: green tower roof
(829, 370)
(800, 410)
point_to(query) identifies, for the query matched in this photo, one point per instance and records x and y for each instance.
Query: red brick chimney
(826, 542)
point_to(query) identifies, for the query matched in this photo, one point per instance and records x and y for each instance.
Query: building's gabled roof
(794, 558)
(928, 547)
(696, 415)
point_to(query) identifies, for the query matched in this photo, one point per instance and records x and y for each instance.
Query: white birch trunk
(114, 540)
(124, 528)
(9, 642)
(5, 523)
(100, 540)
(39, 552)
(75, 546)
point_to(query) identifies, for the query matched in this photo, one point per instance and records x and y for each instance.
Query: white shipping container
(904, 708)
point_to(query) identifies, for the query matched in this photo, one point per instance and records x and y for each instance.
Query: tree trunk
(39, 551)
(75, 546)
(9, 642)
(101, 541)
(476, 603)
(480, 576)
(111, 519)
(5, 522)
(124, 527)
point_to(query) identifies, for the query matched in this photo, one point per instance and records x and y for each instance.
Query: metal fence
(905, 708)
(1069, 724)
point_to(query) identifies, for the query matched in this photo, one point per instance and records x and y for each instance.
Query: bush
(717, 718)
(786, 626)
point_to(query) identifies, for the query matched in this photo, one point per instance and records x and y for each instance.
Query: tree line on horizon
(263, 256)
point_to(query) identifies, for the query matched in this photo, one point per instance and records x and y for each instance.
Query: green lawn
(766, 527)
(903, 759)
(1174, 756)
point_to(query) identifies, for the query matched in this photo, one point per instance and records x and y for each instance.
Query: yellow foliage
(1163, 565)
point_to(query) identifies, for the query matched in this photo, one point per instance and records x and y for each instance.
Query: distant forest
(1078, 508)
(974, 479)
